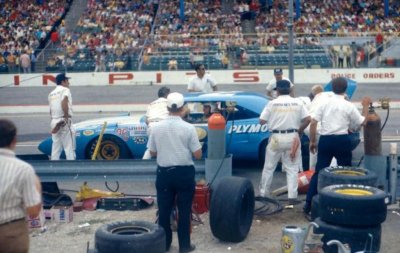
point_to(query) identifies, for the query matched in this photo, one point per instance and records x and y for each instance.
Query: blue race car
(126, 137)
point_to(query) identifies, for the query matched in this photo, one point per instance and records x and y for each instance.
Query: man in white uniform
(287, 118)
(156, 111)
(271, 87)
(336, 116)
(202, 82)
(318, 97)
(63, 133)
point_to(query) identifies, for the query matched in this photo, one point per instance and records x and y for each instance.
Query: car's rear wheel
(111, 148)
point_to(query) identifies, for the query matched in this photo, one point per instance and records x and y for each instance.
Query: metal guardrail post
(393, 172)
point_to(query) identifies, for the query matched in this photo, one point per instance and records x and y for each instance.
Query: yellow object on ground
(87, 193)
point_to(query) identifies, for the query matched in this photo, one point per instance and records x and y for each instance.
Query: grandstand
(107, 35)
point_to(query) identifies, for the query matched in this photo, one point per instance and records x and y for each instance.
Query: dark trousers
(175, 184)
(329, 146)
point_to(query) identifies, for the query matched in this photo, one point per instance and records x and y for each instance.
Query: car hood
(119, 120)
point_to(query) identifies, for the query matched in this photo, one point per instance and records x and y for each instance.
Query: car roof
(251, 100)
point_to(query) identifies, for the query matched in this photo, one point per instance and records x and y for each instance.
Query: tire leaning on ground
(357, 238)
(231, 209)
(315, 207)
(352, 205)
(130, 236)
(346, 175)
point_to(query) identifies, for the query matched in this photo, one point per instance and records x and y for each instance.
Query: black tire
(352, 205)
(315, 207)
(232, 209)
(346, 175)
(111, 148)
(130, 236)
(357, 238)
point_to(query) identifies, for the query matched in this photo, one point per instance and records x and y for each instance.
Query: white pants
(63, 139)
(275, 152)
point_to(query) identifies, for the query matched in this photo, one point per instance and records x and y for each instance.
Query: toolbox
(124, 203)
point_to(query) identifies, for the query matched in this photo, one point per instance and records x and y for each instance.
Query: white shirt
(284, 113)
(157, 110)
(17, 187)
(174, 140)
(204, 84)
(55, 98)
(271, 87)
(336, 115)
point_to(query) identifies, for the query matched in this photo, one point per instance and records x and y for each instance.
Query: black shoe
(192, 248)
(308, 217)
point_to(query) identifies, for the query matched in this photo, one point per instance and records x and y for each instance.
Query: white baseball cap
(175, 100)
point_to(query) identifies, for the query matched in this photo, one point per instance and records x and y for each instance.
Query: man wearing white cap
(271, 87)
(174, 142)
(287, 118)
(63, 133)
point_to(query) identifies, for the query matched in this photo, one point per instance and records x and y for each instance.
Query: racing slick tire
(352, 205)
(315, 207)
(359, 239)
(130, 236)
(346, 175)
(111, 148)
(231, 209)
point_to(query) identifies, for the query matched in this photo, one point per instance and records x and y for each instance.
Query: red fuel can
(201, 200)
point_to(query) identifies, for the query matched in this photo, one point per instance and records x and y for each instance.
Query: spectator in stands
(173, 64)
(348, 57)
(33, 61)
(341, 55)
(11, 60)
(202, 82)
(244, 57)
(54, 37)
(25, 61)
(225, 60)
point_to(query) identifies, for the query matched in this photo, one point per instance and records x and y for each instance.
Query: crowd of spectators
(23, 26)
(107, 31)
(331, 18)
(110, 30)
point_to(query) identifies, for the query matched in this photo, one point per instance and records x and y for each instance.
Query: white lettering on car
(251, 128)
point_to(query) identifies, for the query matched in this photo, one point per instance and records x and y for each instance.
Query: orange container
(201, 200)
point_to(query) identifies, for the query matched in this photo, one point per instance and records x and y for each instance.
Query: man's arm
(64, 106)
(198, 154)
(153, 154)
(365, 108)
(313, 136)
(304, 124)
(215, 88)
(34, 211)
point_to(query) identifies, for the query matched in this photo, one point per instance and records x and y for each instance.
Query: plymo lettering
(253, 128)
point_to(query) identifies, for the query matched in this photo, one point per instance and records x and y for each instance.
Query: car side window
(240, 113)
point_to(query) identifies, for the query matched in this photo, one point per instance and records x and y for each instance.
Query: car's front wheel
(111, 148)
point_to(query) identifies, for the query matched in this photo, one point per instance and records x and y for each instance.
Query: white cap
(175, 100)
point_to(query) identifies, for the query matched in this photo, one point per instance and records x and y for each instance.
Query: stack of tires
(349, 208)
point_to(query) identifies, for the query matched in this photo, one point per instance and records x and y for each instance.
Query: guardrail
(121, 170)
